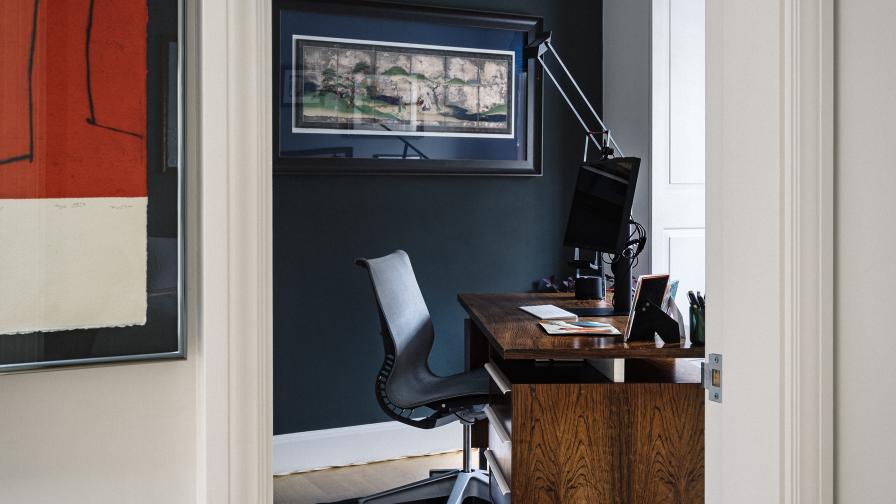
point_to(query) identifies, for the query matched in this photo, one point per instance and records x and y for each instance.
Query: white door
(677, 208)
(769, 203)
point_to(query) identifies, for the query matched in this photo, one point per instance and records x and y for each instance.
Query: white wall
(626, 26)
(865, 192)
(111, 434)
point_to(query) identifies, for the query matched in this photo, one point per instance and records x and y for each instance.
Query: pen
(693, 299)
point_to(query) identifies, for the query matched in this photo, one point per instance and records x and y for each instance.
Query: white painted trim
(229, 144)
(808, 119)
(770, 248)
(359, 444)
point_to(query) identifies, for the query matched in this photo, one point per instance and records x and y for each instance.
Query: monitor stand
(622, 282)
(597, 312)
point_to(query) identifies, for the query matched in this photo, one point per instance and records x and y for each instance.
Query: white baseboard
(304, 451)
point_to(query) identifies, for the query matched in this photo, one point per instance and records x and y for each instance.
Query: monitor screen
(602, 204)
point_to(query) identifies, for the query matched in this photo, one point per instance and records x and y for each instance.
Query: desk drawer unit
(565, 434)
(500, 435)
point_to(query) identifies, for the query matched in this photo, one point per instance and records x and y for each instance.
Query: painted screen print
(348, 86)
(73, 192)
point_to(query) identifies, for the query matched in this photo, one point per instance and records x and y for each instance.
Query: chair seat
(472, 385)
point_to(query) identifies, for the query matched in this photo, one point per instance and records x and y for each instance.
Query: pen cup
(698, 325)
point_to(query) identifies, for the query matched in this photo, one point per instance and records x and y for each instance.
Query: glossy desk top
(516, 334)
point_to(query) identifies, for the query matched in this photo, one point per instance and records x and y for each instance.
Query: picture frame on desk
(403, 89)
(647, 318)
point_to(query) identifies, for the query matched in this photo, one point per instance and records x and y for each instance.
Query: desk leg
(475, 356)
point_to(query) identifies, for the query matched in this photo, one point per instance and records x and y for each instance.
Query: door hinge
(711, 376)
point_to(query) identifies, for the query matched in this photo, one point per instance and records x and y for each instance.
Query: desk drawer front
(499, 483)
(499, 379)
(501, 451)
(495, 492)
(499, 424)
(500, 433)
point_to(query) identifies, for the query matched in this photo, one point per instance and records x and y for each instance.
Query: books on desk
(562, 327)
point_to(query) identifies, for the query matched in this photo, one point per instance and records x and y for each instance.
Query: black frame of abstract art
(163, 333)
(380, 146)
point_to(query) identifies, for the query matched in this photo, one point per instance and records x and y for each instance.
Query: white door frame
(769, 250)
(769, 247)
(228, 100)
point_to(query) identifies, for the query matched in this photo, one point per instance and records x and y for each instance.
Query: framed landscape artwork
(367, 87)
(383, 88)
(91, 190)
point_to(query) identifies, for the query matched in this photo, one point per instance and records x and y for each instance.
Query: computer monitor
(599, 221)
(602, 205)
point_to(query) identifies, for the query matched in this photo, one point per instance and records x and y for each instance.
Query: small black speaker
(590, 287)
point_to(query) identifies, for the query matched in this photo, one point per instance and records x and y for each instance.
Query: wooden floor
(357, 481)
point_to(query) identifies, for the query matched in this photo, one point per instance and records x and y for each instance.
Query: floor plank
(356, 481)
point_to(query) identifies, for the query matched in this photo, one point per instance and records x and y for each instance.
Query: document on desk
(561, 327)
(549, 312)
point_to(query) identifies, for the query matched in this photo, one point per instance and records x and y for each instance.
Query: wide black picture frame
(341, 160)
(164, 335)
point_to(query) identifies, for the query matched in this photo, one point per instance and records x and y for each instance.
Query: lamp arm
(569, 102)
(575, 84)
(539, 55)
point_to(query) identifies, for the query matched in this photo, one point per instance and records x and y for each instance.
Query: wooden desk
(567, 433)
(514, 334)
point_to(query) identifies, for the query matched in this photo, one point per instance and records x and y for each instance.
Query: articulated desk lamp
(600, 218)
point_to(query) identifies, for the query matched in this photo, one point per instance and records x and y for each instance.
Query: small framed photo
(651, 289)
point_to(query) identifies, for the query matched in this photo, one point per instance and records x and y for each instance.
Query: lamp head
(538, 46)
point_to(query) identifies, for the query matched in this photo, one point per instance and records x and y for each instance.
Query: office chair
(405, 382)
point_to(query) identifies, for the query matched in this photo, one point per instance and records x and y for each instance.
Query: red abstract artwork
(74, 98)
(72, 163)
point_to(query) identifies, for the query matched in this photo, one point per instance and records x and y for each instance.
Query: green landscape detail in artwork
(387, 88)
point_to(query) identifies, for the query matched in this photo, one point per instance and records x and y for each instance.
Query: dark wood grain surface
(515, 334)
(609, 443)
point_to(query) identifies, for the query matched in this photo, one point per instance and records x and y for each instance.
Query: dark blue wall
(463, 234)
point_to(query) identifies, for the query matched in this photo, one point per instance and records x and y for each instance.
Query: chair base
(456, 485)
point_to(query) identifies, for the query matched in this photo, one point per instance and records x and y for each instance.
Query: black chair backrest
(408, 336)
